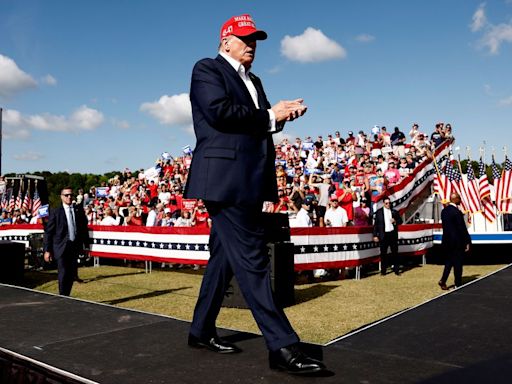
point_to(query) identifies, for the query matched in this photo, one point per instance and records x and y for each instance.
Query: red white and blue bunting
(313, 247)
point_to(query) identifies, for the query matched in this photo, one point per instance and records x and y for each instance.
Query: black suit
(64, 251)
(233, 171)
(387, 239)
(455, 239)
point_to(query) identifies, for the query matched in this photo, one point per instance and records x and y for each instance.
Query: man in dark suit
(456, 241)
(65, 236)
(233, 171)
(385, 232)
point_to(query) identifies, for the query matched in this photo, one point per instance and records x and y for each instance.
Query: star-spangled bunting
(194, 247)
(354, 247)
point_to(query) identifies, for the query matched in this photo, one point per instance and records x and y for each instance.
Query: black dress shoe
(292, 360)
(443, 285)
(214, 344)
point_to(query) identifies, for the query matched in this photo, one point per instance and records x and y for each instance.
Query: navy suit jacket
(455, 232)
(234, 158)
(56, 234)
(379, 226)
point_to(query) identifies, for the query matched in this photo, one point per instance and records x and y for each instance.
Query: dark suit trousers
(390, 240)
(237, 246)
(453, 258)
(68, 267)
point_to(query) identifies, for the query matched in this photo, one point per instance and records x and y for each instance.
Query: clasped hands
(289, 110)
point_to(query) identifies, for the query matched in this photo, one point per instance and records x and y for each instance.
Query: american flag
(506, 190)
(442, 185)
(27, 202)
(489, 210)
(457, 185)
(11, 205)
(483, 182)
(502, 185)
(36, 203)
(19, 199)
(473, 191)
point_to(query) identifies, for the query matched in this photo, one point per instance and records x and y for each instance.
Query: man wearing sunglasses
(385, 232)
(65, 236)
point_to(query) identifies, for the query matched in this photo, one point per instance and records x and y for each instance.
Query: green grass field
(324, 310)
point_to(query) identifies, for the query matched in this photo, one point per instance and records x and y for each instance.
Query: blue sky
(97, 85)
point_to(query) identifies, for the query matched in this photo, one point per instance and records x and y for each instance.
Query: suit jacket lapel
(63, 218)
(262, 100)
(231, 71)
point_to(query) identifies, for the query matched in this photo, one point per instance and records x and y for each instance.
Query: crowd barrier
(317, 247)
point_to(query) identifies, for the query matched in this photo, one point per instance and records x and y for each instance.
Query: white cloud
(488, 89)
(49, 80)
(495, 36)
(12, 78)
(365, 38)
(479, 18)
(83, 118)
(281, 136)
(123, 124)
(86, 118)
(28, 156)
(170, 110)
(507, 102)
(311, 46)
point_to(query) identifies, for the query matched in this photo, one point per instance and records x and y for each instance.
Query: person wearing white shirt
(385, 232)
(109, 218)
(151, 220)
(302, 219)
(335, 216)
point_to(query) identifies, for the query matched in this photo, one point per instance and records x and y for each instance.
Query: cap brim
(256, 35)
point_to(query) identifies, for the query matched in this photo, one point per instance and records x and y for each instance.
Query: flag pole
(438, 174)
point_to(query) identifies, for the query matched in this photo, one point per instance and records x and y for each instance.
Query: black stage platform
(464, 336)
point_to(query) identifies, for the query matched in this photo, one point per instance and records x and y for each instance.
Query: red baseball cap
(242, 25)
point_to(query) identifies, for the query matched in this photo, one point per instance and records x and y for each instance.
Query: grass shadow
(143, 296)
(468, 279)
(102, 277)
(311, 293)
(32, 279)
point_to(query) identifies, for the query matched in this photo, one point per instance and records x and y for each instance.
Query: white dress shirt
(70, 217)
(388, 224)
(244, 75)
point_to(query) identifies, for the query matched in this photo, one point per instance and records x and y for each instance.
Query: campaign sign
(43, 211)
(189, 204)
(101, 191)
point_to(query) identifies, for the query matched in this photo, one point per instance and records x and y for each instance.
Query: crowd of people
(329, 181)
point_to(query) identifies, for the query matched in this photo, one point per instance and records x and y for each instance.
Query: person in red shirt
(201, 216)
(133, 218)
(346, 197)
(153, 190)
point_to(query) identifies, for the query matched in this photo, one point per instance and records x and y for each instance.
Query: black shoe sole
(221, 351)
(303, 372)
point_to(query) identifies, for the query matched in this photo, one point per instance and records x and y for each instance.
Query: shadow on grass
(468, 279)
(33, 279)
(143, 296)
(102, 277)
(311, 293)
